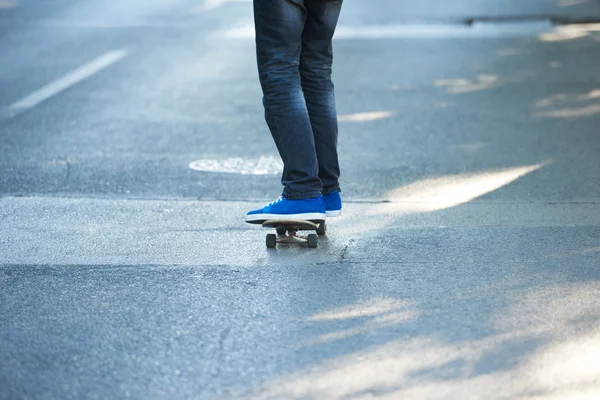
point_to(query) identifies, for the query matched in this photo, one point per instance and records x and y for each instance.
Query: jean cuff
(331, 190)
(302, 196)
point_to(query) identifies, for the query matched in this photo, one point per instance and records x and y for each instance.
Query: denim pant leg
(279, 25)
(315, 70)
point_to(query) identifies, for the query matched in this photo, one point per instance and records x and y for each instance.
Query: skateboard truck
(287, 232)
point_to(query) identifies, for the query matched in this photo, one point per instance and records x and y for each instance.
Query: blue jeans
(294, 53)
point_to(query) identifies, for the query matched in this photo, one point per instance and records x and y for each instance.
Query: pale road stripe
(391, 31)
(214, 4)
(67, 81)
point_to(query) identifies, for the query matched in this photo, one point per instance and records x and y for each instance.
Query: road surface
(467, 262)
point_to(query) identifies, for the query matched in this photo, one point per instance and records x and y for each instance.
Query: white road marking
(391, 31)
(214, 4)
(67, 81)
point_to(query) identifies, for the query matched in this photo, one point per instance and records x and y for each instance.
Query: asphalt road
(467, 262)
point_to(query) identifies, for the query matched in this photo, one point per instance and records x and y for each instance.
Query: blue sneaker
(333, 204)
(306, 209)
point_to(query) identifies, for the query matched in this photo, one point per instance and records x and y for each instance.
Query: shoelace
(276, 201)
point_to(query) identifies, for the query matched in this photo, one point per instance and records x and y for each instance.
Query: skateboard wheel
(281, 231)
(313, 241)
(271, 241)
(322, 229)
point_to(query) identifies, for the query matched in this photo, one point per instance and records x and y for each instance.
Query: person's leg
(315, 70)
(279, 25)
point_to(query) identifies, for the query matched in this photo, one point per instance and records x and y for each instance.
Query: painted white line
(373, 32)
(210, 5)
(67, 81)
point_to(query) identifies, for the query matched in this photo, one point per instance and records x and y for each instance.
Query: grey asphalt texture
(466, 264)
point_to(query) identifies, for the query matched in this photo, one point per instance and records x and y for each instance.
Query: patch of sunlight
(592, 95)
(578, 112)
(569, 254)
(434, 194)
(569, 32)
(366, 116)
(264, 165)
(459, 86)
(469, 146)
(400, 370)
(591, 393)
(367, 309)
(508, 52)
(551, 101)
(569, 367)
(557, 359)
(565, 98)
(450, 191)
(570, 3)
(571, 363)
(370, 315)
(378, 323)
(569, 102)
(9, 3)
(537, 310)
(562, 36)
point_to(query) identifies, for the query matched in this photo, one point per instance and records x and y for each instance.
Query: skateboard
(287, 230)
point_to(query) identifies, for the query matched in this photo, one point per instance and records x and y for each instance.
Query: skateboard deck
(287, 232)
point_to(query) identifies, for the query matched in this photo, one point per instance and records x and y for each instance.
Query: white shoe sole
(283, 217)
(335, 213)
